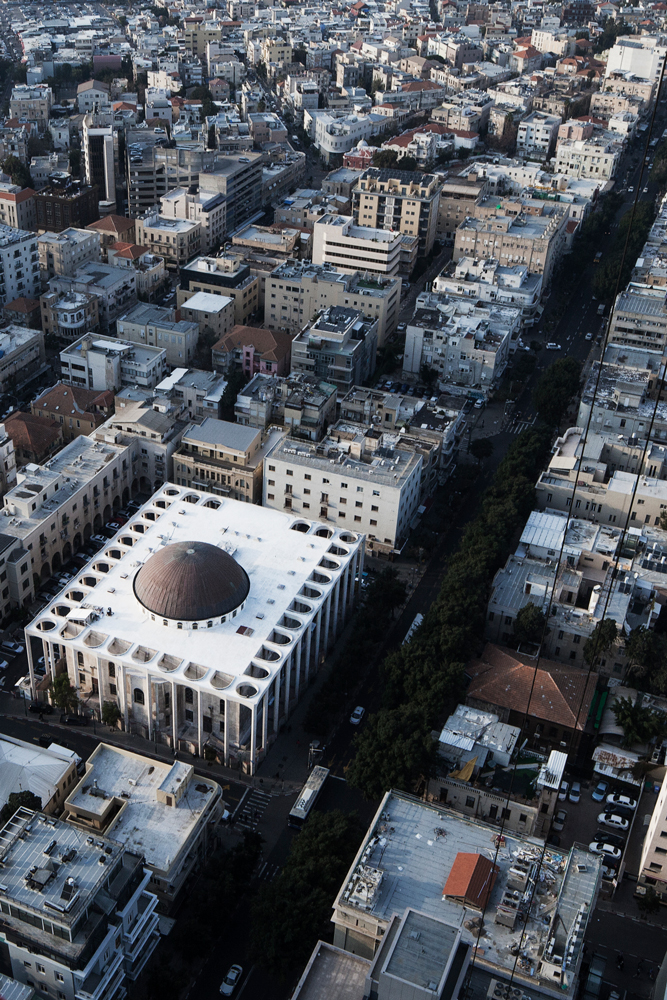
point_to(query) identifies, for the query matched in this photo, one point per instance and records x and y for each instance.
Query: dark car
(74, 720)
(611, 838)
(40, 708)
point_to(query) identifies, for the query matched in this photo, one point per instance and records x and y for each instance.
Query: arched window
(139, 696)
(112, 670)
(189, 697)
(195, 625)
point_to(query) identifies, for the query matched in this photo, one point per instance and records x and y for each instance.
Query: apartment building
(64, 203)
(21, 354)
(77, 410)
(210, 211)
(488, 281)
(239, 180)
(212, 313)
(157, 326)
(153, 428)
(196, 394)
(458, 198)
(17, 207)
(225, 459)
(354, 477)
(253, 349)
(40, 770)
(19, 265)
(55, 508)
(68, 315)
(653, 863)
(302, 404)
(100, 363)
(532, 236)
(31, 104)
(7, 466)
(399, 200)
(91, 95)
(115, 289)
(63, 253)
(466, 343)
(537, 132)
(46, 918)
(153, 168)
(153, 608)
(337, 132)
(592, 157)
(339, 347)
(639, 318)
(177, 240)
(149, 268)
(174, 834)
(112, 229)
(340, 243)
(296, 290)
(621, 401)
(226, 275)
(98, 158)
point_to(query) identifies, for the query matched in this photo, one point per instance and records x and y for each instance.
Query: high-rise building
(402, 200)
(98, 158)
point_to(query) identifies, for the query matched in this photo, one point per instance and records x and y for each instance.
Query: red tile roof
(18, 197)
(22, 305)
(471, 879)
(272, 345)
(112, 224)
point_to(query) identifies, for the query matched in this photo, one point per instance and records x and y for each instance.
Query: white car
(589, 336)
(357, 715)
(631, 190)
(613, 821)
(621, 800)
(4, 664)
(551, 346)
(562, 792)
(230, 982)
(598, 847)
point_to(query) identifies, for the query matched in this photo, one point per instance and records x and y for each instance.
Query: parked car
(562, 792)
(41, 708)
(575, 792)
(600, 791)
(4, 664)
(551, 346)
(231, 980)
(615, 799)
(610, 838)
(11, 648)
(589, 336)
(614, 821)
(74, 720)
(114, 526)
(631, 190)
(559, 820)
(602, 847)
(357, 715)
(598, 257)
(98, 541)
(401, 327)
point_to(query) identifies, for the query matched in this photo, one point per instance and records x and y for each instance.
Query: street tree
(481, 448)
(555, 388)
(600, 641)
(63, 694)
(529, 623)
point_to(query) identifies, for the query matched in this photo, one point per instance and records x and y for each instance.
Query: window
(40, 969)
(374, 508)
(112, 670)
(307, 476)
(189, 696)
(112, 689)
(523, 818)
(373, 522)
(82, 678)
(376, 493)
(138, 696)
(470, 802)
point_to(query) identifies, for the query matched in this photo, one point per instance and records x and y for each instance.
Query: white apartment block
(55, 508)
(363, 482)
(588, 158)
(96, 362)
(19, 265)
(337, 134)
(639, 56)
(156, 326)
(488, 281)
(64, 252)
(55, 880)
(342, 244)
(653, 864)
(209, 210)
(190, 575)
(537, 132)
(17, 207)
(21, 352)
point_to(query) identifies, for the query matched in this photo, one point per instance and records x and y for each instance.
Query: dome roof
(362, 144)
(190, 581)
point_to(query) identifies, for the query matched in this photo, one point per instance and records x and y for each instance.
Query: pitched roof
(17, 196)
(471, 879)
(31, 433)
(92, 85)
(556, 693)
(271, 345)
(73, 400)
(130, 251)
(112, 224)
(22, 305)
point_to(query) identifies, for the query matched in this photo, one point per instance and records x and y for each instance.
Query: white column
(327, 620)
(126, 714)
(225, 733)
(31, 670)
(199, 724)
(296, 654)
(100, 683)
(276, 704)
(265, 720)
(318, 631)
(346, 591)
(173, 715)
(253, 738)
(337, 589)
(288, 678)
(306, 637)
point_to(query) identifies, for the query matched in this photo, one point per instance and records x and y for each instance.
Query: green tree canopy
(529, 623)
(19, 173)
(63, 694)
(555, 388)
(600, 641)
(393, 749)
(481, 448)
(110, 713)
(640, 725)
(293, 911)
(385, 158)
(15, 801)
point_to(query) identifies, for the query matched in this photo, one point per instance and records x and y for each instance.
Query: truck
(601, 309)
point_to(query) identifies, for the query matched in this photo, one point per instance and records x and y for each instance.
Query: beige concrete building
(592, 157)
(210, 312)
(31, 103)
(17, 207)
(653, 864)
(403, 201)
(296, 290)
(177, 240)
(226, 275)
(63, 253)
(209, 210)
(21, 352)
(68, 315)
(224, 458)
(458, 198)
(156, 326)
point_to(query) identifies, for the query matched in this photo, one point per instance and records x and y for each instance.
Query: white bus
(307, 797)
(413, 628)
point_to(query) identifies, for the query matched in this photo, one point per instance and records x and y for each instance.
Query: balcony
(98, 986)
(145, 910)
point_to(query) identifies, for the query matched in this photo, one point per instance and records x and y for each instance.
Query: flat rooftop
(207, 302)
(332, 969)
(144, 824)
(407, 856)
(25, 767)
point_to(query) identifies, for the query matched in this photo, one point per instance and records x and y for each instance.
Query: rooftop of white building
(28, 768)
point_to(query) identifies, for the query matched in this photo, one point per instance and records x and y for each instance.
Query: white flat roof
(278, 562)
(207, 302)
(27, 768)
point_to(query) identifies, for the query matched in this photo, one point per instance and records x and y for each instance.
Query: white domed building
(203, 619)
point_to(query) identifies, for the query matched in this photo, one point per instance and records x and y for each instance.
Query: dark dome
(190, 581)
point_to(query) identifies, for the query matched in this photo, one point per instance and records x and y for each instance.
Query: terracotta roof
(18, 196)
(112, 224)
(272, 345)
(129, 251)
(560, 695)
(15, 123)
(123, 106)
(22, 305)
(32, 434)
(73, 400)
(471, 879)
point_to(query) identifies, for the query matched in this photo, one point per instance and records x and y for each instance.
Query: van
(601, 309)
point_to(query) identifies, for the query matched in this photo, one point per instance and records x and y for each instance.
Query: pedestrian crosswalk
(268, 872)
(252, 810)
(518, 426)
